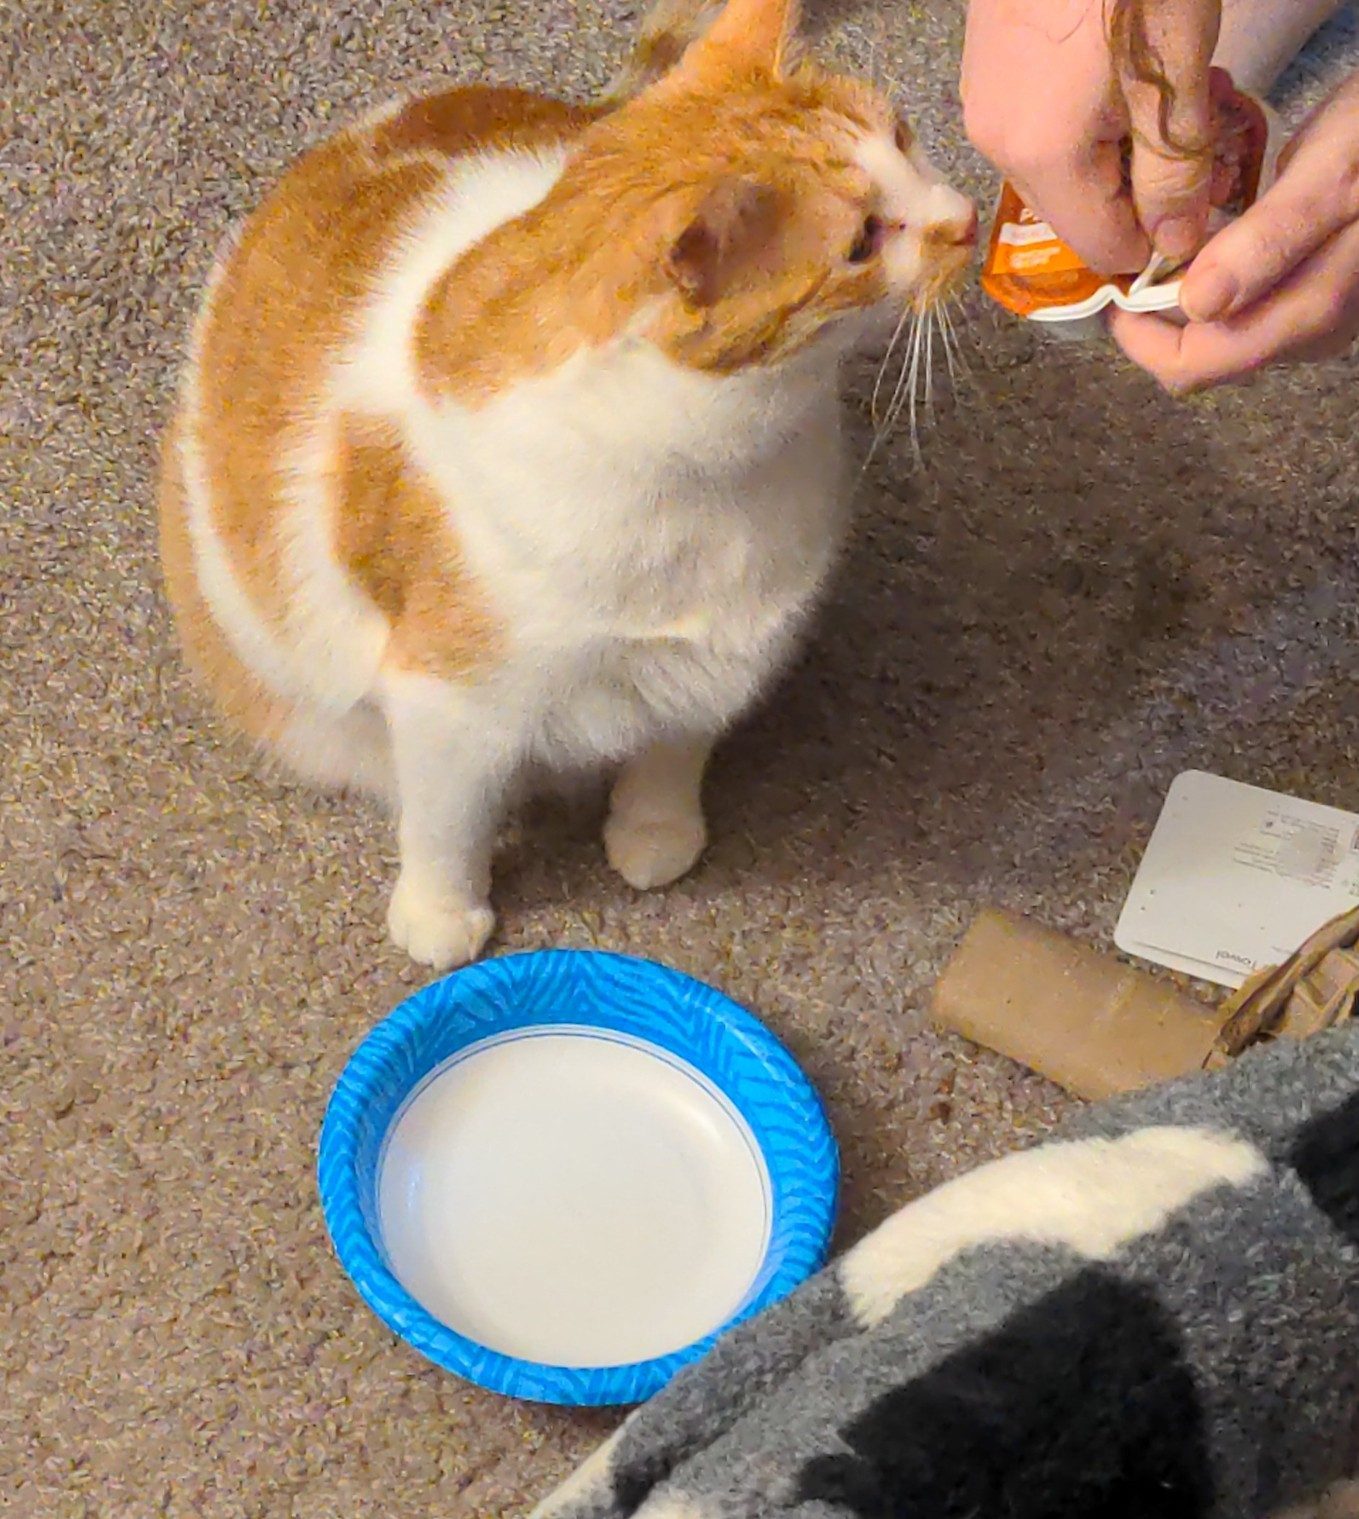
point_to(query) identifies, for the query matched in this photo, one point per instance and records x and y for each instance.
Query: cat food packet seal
(1029, 271)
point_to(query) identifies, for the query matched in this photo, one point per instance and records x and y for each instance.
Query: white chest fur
(654, 539)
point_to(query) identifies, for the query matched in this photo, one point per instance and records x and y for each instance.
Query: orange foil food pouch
(1030, 271)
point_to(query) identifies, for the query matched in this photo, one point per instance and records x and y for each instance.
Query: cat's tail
(667, 30)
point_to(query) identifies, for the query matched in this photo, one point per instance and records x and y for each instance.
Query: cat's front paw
(655, 852)
(434, 930)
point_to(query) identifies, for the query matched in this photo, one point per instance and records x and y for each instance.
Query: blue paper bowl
(685, 1024)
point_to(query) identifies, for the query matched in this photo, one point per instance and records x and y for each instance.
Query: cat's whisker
(886, 361)
(922, 331)
(959, 368)
(948, 338)
(906, 377)
(908, 354)
(883, 421)
(931, 322)
(904, 397)
(980, 357)
(899, 389)
(912, 392)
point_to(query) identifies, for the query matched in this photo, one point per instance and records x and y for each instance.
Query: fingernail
(1209, 297)
(1177, 236)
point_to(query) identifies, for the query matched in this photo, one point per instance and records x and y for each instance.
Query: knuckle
(982, 121)
(1159, 200)
(1015, 147)
(1330, 308)
(1171, 177)
(1347, 192)
(1187, 371)
(1171, 373)
(1180, 385)
(990, 138)
(1266, 248)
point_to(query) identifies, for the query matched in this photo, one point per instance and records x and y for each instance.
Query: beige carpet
(1086, 589)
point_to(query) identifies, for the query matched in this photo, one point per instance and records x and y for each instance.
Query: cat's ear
(667, 32)
(734, 222)
(757, 33)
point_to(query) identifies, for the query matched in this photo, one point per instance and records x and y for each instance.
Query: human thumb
(1164, 75)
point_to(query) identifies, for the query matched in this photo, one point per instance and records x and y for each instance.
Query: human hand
(1281, 283)
(1046, 101)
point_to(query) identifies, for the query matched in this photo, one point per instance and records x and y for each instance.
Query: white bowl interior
(573, 1197)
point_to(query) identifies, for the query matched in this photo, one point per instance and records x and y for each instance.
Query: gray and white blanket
(1154, 1315)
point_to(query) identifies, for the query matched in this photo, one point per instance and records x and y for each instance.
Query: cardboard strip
(1082, 1018)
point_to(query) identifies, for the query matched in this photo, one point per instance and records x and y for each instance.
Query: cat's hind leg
(655, 831)
(349, 751)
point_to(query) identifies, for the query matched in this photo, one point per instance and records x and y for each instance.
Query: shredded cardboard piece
(1316, 988)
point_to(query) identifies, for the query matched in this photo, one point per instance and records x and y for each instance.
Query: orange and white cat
(510, 436)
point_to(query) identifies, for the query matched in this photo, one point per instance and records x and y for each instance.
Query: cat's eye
(904, 138)
(868, 241)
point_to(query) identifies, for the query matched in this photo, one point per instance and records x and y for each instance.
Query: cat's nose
(956, 231)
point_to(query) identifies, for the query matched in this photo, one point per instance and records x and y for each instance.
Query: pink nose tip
(958, 232)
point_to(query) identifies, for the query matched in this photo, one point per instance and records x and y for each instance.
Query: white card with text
(1236, 877)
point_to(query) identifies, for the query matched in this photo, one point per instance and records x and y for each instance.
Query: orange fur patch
(287, 301)
(243, 699)
(576, 270)
(392, 535)
(289, 298)
(462, 121)
(294, 286)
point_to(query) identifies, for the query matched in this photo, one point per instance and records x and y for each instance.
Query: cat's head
(783, 203)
